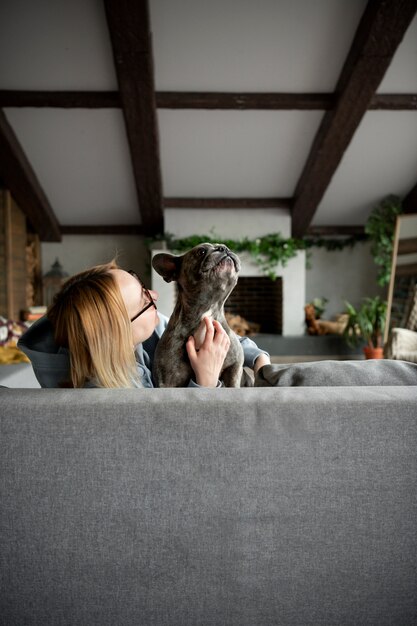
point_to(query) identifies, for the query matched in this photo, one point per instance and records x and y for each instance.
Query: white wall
(341, 275)
(79, 252)
(348, 274)
(229, 223)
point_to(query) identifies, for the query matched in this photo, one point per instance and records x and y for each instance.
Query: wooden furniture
(20, 271)
(403, 273)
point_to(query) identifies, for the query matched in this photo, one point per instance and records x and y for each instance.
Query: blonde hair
(90, 318)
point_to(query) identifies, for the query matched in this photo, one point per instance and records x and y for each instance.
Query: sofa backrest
(184, 507)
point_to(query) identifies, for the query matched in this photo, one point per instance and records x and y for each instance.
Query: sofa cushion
(338, 373)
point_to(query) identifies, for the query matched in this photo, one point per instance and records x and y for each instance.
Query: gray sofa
(292, 506)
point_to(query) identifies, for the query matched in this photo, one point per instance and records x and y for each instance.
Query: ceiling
(306, 106)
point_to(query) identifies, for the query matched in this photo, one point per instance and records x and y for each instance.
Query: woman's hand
(207, 361)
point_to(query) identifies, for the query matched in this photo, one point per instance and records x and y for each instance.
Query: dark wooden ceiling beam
(19, 178)
(410, 201)
(244, 101)
(136, 229)
(330, 231)
(378, 36)
(227, 203)
(130, 35)
(394, 102)
(199, 100)
(275, 101)
(60, 99)
(102, 229)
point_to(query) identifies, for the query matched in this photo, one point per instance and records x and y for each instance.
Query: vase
(373, 353)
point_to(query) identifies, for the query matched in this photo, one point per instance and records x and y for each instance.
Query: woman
(102, 330)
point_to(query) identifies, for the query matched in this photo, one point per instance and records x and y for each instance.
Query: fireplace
(258, 299)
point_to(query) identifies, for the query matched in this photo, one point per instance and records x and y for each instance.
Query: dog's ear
(167, 265)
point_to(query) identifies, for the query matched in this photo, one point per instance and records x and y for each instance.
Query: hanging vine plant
(380, 228)
(268, 252)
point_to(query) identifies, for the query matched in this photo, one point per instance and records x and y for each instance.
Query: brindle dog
(205, 275)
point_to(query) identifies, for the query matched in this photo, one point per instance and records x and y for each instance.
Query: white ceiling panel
(234, 153)
(381, 159)
(55, 44)
(81, 157)
(269, 45)
(82, 161)
(401, 76)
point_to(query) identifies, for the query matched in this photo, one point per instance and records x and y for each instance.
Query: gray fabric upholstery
(233, 507)
(338, 373)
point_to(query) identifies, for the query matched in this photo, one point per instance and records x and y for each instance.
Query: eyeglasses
(146, 293)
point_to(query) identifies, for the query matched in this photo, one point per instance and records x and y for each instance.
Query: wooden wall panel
(13, 272)
(34, 270)
(3, 260)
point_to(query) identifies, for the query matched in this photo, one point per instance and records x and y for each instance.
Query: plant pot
(373, 353)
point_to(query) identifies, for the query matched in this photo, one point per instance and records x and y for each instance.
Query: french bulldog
(206, 275)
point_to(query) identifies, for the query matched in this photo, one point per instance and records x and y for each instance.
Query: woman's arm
(263, 359)
(255, 358)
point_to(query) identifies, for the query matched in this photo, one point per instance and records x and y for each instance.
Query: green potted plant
(366, 324)
(380, 229)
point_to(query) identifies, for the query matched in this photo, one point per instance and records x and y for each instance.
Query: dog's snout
(221, 248)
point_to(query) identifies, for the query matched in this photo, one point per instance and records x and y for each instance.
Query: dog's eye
(202, 252)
